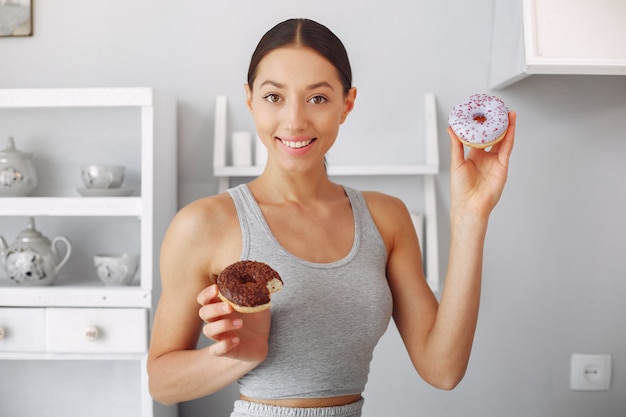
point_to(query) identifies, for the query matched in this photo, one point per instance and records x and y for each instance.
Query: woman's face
(298, 102)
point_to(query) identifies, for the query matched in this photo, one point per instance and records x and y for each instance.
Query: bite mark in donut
(248, 285)
(481, 121)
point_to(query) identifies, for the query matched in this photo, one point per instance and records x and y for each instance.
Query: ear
(248, 96)
(348, 104)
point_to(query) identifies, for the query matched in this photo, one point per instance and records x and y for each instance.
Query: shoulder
(208, 210)
(384, 207)
(205, 232)
(208, 214)
(377, 201)
(389, 213)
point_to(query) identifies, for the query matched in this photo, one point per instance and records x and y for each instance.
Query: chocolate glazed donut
(248, 285)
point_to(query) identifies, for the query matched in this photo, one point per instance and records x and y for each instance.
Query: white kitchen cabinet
(427, 170)
(557, 37)
(101, 330)
(100, 334)
(22, 330)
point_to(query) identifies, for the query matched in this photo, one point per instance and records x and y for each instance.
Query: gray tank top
(328, 317)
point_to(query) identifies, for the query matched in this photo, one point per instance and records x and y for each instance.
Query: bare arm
(439, 337)
(199, 243)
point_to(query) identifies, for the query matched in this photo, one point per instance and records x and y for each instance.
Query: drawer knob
(92, 333)
(3, 332)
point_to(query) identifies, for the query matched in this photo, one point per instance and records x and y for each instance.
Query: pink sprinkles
(479, 120)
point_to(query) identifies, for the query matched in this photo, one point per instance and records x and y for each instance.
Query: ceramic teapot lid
(11, 152)
(30, 233)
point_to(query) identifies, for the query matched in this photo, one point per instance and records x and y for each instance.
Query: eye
(271, 98)
(318, 100)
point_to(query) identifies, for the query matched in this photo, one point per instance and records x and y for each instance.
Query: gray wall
(555, 270)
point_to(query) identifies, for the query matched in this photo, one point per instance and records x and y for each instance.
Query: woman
(350, 260)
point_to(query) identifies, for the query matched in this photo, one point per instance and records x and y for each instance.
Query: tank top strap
(251, 220)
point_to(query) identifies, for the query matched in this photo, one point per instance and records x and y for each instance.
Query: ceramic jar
(17, 172)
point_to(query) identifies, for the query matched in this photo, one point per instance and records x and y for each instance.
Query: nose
(295, 116)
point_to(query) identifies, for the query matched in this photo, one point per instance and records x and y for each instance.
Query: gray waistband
(252, 409)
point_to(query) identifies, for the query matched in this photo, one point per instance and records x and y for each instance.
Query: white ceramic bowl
(102, 176)
(116, 268)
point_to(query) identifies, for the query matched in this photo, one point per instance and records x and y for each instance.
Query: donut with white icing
(481, 121)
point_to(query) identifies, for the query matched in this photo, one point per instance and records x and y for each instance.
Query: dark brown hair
(304, 32)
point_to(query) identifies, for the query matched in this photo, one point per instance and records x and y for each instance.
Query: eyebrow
(309, 87)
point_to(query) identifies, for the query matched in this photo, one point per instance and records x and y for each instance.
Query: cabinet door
(22, 330)
(99, 330)
(582, 29)
(557, 37)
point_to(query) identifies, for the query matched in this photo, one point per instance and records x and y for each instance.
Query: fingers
(219, 325)
(214, 311)
(502, 148)
(223, 347)
(506, 145)
(222, 330)
(456, 150)
(207, 295)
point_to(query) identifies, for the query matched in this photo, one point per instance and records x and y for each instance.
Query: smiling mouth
(296, 144)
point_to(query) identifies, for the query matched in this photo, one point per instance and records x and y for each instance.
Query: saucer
(105, 192)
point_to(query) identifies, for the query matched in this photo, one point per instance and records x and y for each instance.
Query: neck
(279, 185)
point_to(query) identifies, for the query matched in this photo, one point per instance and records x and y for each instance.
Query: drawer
(22, 330)
(99, 330)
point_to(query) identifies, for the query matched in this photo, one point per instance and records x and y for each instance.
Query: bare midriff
(308, 402)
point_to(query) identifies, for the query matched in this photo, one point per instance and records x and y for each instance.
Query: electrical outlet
(590, 372)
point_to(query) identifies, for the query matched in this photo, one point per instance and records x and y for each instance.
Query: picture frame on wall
(16, 18)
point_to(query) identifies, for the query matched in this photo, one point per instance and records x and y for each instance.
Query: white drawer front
(102, 330)
(22, 330)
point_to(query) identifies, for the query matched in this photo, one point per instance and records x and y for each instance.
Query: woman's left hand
(477, 181)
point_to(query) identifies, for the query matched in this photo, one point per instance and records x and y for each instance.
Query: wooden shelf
(96, 295)
(78, 97)
(52, 356)
(339, 170)
(71, 206)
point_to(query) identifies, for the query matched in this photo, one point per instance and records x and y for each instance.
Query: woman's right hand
(236, 335)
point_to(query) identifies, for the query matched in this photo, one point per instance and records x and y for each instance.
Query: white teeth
(298, 144)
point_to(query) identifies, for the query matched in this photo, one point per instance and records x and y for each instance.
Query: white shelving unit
(48, 325)
(557, 37)
(428, 170)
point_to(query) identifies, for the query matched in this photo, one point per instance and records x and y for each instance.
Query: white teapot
(17, 172)
(33, 260)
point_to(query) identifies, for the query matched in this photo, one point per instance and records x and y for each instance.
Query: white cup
(102, 176)
(116, 268)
